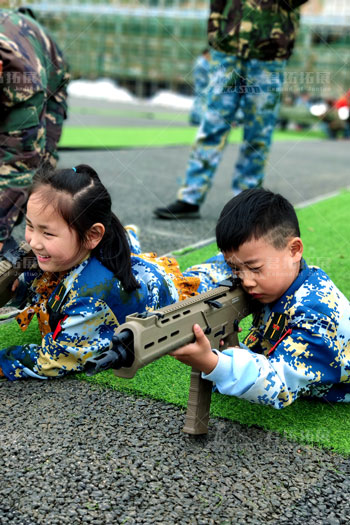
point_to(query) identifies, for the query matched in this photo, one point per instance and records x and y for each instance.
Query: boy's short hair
(253, 214)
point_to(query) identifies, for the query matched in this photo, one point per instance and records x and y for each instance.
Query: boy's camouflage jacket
(298, 346)
(261, 29)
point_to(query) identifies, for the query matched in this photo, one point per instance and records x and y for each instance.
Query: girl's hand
(197, 354)
(14, 285)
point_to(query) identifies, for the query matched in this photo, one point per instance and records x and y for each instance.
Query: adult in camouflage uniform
(252, 40)
(33, 106)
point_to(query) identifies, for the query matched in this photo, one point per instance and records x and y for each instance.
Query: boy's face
(265, 271)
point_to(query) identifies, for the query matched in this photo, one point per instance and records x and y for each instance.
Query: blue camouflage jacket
(84, 311)
(298, 346)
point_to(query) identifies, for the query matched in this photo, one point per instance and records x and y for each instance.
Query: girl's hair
(88, 204)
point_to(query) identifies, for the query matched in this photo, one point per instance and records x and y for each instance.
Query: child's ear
(94, 235)
(296, 248)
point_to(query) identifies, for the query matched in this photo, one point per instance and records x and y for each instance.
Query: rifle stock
(143, 338)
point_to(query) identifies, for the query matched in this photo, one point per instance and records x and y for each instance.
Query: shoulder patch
(276, 326)
(57, 298)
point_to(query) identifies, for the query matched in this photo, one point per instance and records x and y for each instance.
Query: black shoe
(178, 210)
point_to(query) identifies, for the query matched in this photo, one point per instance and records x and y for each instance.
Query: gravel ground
(72, 453)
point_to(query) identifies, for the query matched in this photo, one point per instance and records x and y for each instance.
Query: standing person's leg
(55, 114)
(22, 146)
(54, 124)
(261, 98)
(12, 205)
(223, 102)
(347, 129)
(19, 155)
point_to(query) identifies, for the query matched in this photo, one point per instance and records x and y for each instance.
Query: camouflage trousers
(22, 152)
(254, 87)
(198, 109)
(12, 205)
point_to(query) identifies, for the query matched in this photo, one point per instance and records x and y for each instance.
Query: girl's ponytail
(114, 252)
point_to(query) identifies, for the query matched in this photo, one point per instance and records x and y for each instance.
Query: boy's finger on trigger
(198, 332)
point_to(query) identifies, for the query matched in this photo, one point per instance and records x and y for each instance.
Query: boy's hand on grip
(198, 354)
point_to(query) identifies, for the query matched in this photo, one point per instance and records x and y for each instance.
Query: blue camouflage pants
(210, 273)
(254, 86)
(201, 81)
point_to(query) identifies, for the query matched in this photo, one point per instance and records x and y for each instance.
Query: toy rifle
(143, 338)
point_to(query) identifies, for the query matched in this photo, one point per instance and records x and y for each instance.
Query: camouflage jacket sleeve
(85, 331)
(302, 362)
(217, 8)
(58, 77)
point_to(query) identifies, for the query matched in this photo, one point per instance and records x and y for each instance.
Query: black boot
(178, 210)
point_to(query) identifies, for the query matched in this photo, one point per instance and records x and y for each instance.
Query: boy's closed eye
(256, 269)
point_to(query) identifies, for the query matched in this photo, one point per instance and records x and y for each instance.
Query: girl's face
(54, 243)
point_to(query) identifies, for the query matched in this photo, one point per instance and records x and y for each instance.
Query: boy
(299, 343)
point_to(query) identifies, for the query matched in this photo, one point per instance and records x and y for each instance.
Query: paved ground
(144, 178)
(141, 179)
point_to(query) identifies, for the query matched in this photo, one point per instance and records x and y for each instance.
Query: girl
(91, 275)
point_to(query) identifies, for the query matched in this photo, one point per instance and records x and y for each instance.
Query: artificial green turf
(138, 137)
(325, 229)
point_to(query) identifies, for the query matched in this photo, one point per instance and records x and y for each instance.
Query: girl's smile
(42, 258)
(54, 243)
